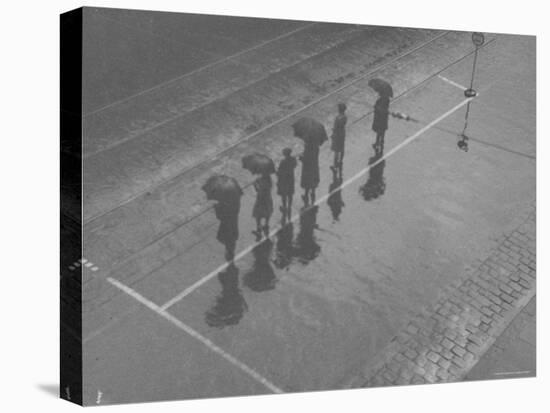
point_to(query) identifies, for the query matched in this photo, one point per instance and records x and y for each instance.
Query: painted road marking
(163, 313)
(451, 82)
(84, 262)
(359, 174)
(217, 62)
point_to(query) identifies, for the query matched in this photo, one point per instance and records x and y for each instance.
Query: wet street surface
(326, 292)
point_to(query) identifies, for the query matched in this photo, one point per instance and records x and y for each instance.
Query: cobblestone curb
(446, 340)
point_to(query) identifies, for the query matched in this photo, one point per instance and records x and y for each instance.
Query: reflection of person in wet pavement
(227, 211)
(263, 207)
(339, 137)
(307, 248)
(285, 182)
(380, 121)
(285, 249)
(334, 200)
(375, 185)
(261, 277)
(230, 304)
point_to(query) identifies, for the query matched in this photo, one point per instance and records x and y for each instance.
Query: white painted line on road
(451, 82)
(215, 63)
(509, 373)
(359, 174)
(182, 326)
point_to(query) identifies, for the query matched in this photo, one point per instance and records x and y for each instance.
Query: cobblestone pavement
(446, 340)
(513, 355)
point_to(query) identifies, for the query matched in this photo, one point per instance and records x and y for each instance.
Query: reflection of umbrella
(309, 129)
(230, 304)
(381, 87)
(222, 188)
(258, 164)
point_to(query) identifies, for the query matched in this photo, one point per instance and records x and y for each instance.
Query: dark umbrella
(381, 87)
(309, 129)
(222, 188)
(258, 164)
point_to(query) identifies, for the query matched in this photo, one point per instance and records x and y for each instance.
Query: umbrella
(222, 188)
(309, 129)
(258, 164)
(382, 87)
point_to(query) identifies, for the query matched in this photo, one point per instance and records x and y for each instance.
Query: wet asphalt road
(326, 293)
(128, 51)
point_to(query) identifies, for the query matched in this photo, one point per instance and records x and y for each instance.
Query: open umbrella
(222, 188)
(381, 87)
(258, 164)
(309, 129)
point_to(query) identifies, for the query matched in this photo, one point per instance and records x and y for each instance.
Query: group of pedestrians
(313, 134)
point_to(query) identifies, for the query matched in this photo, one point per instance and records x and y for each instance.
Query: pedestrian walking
(380, 121)
(338, 137)
(263, 207)
(285, 181)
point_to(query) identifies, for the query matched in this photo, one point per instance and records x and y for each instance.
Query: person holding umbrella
(227, 192)
(381, 111)
(314, 135)
(259, 164)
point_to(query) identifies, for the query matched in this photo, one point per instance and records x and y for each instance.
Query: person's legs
(340, 162)
(289, 206)
(258, 226)
(230, 250)
(266, 226)
(336, 157)
(312, 196)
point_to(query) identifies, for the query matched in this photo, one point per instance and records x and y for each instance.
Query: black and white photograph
(269, 205)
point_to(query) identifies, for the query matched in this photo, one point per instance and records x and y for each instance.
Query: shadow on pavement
(261, 277)
(376, 184)
(230, 305)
